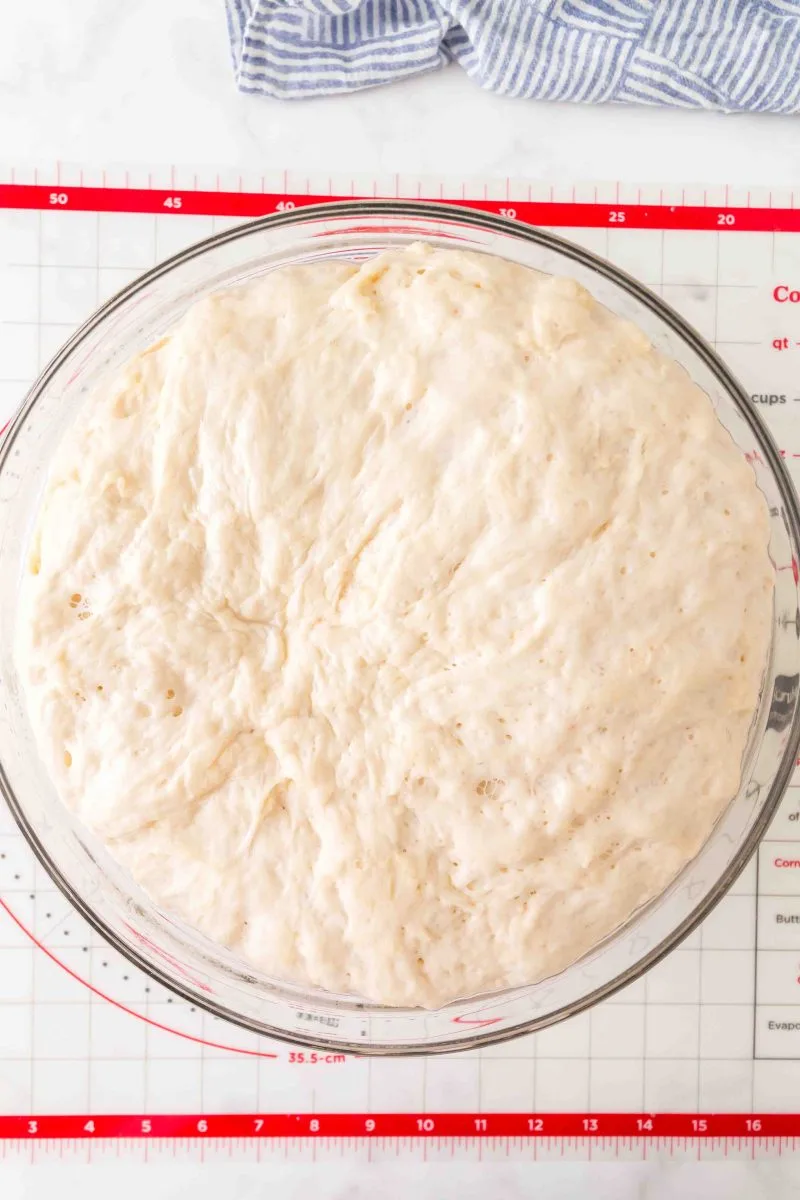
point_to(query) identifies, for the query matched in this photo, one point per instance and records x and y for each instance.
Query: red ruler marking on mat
(404, 1125)
(189, 1037)
(256, 204)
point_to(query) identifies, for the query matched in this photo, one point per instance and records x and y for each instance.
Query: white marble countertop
(149, 81)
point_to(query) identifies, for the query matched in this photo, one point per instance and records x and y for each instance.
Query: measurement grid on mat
(713, 1030)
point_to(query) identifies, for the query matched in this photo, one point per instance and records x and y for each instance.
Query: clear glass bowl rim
(462, 213)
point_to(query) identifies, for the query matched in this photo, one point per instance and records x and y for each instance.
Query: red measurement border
(532, 212)
(404, 1125)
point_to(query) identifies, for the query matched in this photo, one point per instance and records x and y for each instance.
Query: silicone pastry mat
(699, 1058)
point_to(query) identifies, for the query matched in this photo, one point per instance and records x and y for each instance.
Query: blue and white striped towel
(736, 55)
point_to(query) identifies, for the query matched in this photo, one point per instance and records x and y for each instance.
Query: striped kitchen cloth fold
(735, 55)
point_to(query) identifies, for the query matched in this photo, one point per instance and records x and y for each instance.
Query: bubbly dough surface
(399, 626)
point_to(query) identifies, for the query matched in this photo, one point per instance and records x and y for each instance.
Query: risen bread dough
(399, 626)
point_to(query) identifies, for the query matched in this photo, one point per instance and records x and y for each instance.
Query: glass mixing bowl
(178, 956)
